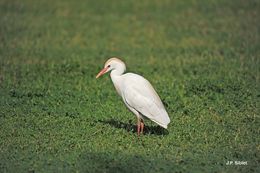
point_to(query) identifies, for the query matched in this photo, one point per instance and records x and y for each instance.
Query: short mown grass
(202, 57)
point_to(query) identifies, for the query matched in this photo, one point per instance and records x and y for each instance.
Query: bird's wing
(140, 95)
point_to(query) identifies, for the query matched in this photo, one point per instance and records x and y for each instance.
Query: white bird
(138, 94)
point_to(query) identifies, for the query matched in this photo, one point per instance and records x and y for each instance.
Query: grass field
(202, 57)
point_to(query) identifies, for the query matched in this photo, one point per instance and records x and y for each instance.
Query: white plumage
(137, 93)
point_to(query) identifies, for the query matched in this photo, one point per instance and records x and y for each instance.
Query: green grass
(203, 58)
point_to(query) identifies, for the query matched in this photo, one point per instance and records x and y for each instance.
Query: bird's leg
(142, 126)
(138, 126)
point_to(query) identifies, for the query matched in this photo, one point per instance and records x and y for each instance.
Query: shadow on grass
(131, 127)
(118, 162)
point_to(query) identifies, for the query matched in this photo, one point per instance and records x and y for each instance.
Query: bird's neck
(118, 71)
(116, 74)
(116, 77)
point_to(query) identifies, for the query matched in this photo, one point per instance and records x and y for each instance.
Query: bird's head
(112, 64)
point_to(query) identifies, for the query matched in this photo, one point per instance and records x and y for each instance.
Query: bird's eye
(108, 66)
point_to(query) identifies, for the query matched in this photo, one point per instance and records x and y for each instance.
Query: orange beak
(103, 71)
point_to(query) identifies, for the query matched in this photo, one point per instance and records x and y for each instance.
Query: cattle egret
(137, 93)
